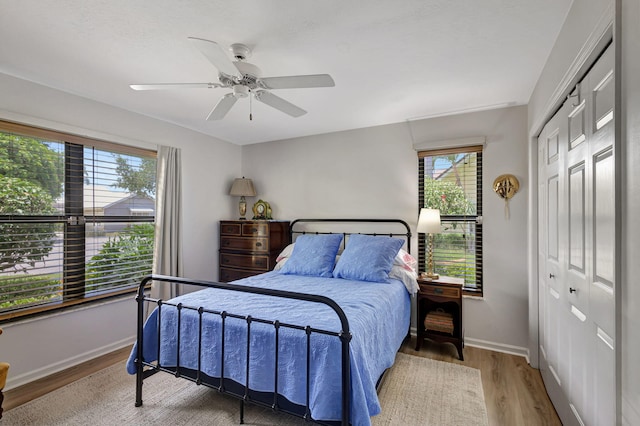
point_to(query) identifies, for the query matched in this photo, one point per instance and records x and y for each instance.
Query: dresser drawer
(231, 229)
(255, 229)
(434, 290)
(260, 263)
(244, 244)
(227, 274)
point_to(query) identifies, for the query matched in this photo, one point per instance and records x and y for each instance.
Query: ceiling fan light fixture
(240, 91)
(240, 51)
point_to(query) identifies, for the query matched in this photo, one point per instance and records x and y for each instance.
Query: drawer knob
(258, 244)
(226, 242)
(254, 230)
(437, 290)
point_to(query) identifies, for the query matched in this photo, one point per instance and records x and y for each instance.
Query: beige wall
(372, 172)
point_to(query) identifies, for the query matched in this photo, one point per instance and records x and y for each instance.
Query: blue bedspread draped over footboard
(378, 314)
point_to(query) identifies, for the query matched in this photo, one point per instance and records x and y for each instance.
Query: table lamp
(242, 187)
(429, 223)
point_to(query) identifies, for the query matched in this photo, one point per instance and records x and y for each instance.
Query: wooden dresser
(250, 247)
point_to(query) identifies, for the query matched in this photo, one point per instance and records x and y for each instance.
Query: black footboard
(243, 392)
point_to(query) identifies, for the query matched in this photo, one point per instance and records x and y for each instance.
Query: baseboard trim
(40, 373)
(491, 346)
(498, 347)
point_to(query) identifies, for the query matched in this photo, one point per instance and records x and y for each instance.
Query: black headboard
(392, 228)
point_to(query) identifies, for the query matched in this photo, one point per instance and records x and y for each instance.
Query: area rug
(417, 391)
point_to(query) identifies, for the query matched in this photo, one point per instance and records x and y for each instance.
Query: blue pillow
(313, 255)
(367, 258)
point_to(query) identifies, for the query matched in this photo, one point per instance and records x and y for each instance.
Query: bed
(311, 338)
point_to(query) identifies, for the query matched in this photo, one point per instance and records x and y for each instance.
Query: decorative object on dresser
(429, 223)
(242, 187)
(262, 210)
(439, 305)
(249, 247)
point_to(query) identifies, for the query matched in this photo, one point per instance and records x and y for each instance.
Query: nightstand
(441, 301)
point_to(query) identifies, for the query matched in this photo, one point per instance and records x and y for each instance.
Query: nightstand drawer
(245, 244)
(260, 263)
(434, 290)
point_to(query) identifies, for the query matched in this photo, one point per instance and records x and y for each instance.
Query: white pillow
(406, 261)
(408, 278)
(285, 253)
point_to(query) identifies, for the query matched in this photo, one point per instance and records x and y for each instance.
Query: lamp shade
(242, 187)
(429, 221)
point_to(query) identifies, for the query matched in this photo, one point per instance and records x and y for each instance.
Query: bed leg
(241, 411)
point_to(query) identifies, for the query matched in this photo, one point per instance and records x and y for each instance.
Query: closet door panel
(603, 406)
(578, 287)
(604, 218)
(603, 254)
(580, 372)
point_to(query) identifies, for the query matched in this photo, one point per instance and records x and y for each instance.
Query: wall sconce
(429, 223)
(242, 187)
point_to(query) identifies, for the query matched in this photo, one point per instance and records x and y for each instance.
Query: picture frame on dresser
(250, 247)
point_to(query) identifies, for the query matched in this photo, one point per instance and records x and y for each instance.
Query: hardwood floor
(513, 391)
(33, 390)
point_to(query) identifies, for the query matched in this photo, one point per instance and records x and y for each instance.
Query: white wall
(630, 290)
(41, 346)
(372, 173)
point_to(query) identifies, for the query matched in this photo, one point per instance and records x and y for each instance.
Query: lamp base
(242, 208)
(430, 276)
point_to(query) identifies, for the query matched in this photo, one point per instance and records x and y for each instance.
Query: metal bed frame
(227, 386)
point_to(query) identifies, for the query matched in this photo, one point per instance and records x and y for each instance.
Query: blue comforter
(378, 313)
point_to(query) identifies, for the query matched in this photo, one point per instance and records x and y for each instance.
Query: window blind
(70, 223)
(451, 180)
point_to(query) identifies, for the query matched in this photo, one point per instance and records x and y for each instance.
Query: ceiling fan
(244, 79)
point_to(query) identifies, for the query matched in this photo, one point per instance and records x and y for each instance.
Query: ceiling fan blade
(222, 107)
(216, 55)
(168, 86)
(279, 103)
(298, 81)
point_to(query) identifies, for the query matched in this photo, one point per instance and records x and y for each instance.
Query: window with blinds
(76, 219)
(451, 180)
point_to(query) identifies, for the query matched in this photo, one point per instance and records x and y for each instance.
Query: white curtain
(167, 253)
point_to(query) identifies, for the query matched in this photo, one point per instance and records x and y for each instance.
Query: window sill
(49, 311)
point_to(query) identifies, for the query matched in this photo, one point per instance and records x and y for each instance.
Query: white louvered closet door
(576, 195)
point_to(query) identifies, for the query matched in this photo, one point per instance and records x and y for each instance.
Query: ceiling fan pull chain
(250, 108)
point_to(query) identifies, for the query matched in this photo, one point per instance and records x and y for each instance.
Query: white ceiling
(392, 60)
